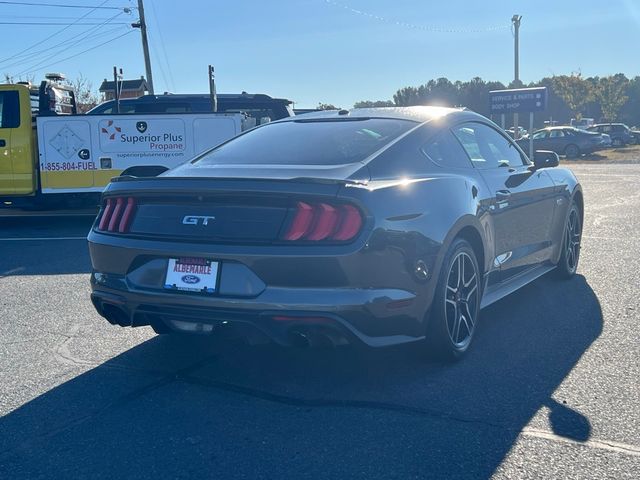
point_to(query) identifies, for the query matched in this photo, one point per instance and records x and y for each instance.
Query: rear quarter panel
(415, 220)
(567, 188)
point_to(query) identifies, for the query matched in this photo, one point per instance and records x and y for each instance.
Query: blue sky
(329, 51)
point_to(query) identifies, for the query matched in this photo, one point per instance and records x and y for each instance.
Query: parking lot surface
(550, 389)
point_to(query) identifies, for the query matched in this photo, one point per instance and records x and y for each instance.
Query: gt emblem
(196, 220)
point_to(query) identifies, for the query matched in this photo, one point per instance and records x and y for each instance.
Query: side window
(540, 135)
(556, 134)
(9, 109)
(162, 107)
(445, 151)
(261, 115)
(486, 147)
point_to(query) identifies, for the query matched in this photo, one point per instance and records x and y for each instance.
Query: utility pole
(212, 89)
(516, 70)
(142, 25)
(115, 87)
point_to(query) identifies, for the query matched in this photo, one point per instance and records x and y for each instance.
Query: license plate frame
(192, 274)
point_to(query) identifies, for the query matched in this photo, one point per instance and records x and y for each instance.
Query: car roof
(176, 97)
(418, 114)
(181, 97)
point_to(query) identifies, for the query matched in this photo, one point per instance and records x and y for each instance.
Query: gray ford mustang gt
(377, 226)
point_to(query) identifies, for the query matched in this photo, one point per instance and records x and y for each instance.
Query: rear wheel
(456, 305)
(572, 151)
(568, 263)
(617, 142)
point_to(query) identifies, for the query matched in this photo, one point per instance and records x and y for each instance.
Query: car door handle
(502, 195)
(3, 143)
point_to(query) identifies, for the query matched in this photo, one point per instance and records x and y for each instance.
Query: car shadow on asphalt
(189, 407)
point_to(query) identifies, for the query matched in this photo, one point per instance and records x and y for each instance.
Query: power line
(428, 28)
(60, 23)
(80, 53)
(30, 4)
(83, 36)
(156, 22)
(30, 56)
(53, 34)
(47, 17)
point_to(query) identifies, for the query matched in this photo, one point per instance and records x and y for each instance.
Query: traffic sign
(518, 100)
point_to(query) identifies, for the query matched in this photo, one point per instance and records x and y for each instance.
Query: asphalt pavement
(551, 388)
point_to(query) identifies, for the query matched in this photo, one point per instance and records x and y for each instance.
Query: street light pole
(516, 46)
(145, 46)
(516, 70)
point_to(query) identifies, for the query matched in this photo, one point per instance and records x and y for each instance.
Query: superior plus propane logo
(131, 135)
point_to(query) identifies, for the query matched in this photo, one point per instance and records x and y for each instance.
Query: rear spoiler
(327, 181)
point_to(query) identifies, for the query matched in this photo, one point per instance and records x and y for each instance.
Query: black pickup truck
(257, 105)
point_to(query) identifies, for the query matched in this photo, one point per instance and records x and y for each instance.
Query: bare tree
(8, 78)
(86, 97)
(326, 106)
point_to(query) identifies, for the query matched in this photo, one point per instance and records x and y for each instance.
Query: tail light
(315, 222)
(117, 214)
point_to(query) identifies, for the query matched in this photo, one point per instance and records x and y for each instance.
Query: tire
(572, 151)
(617, 142)
(571, 237)
(456, 303)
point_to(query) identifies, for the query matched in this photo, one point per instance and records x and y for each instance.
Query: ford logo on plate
(190, 279)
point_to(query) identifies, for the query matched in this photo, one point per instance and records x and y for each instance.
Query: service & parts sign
(161, 136)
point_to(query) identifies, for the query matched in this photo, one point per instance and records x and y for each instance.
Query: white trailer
(81, 153)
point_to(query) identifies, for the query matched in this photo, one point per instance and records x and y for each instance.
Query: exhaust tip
(115, 315)
(325, 339)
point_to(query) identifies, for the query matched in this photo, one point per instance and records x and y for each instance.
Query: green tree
(406, 96)
(611, 93)
(373, 104)
(574, 90)
(630, 112)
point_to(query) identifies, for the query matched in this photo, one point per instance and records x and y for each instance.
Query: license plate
(192, 275)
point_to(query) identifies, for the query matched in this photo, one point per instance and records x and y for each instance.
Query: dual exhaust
(297, 336)
(316, 339)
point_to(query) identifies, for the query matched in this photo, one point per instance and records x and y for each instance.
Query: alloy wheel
(572, 240)
(461, 299)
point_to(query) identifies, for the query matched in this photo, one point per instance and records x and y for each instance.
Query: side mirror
(545, 159)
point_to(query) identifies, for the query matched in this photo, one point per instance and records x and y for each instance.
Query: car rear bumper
(360, 294)
(374, 317)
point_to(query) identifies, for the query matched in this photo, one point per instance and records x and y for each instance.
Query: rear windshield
(309, 142)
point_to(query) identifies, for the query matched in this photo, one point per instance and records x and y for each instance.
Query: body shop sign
(520, 100)
(152, 135)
